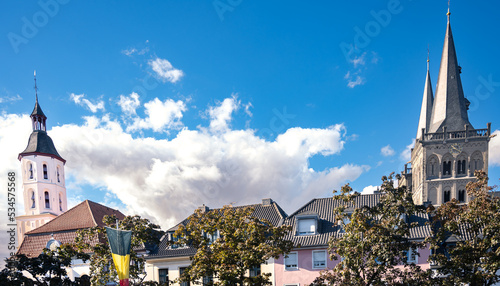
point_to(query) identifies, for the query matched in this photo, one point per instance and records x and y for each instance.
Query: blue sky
(160, 106)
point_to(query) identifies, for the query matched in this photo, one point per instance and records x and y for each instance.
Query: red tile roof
(64, 227)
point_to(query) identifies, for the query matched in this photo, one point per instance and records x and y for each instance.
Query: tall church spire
(450, 105)
(427, 101)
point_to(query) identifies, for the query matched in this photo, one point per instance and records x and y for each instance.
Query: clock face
(455, 148)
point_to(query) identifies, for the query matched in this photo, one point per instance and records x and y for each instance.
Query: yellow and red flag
(119, 241)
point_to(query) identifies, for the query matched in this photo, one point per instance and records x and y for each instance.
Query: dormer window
(307, 225)
(45, 172)
(212, 237)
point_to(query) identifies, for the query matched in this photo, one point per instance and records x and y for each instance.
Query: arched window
(58, 176)
(30, 170)
(446, 168)
(447, 196)
(433, 167)
(461, 167)
(45, 172)
(33, 201)
(47, 200)
(461, 196)
(60, 203)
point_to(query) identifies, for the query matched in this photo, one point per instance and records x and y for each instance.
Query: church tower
(42, 176)
(447, 149)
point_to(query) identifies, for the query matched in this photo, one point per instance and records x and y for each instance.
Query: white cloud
(353, 83)
(14, 133)
(165, 71)
(359, 60)
(494, 146)
(406, 154)
(8, 98)
(387, 151)
(368, 190)
(220, 116)
(129, 104)
(161, 115)
(129, 52)
(80, 100)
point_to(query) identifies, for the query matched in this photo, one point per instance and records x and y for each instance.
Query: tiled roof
(84, 215)
(328, 226)
(64, 227)
(271, 212)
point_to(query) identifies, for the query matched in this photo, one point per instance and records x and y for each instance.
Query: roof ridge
(52, 221)
(91, 213)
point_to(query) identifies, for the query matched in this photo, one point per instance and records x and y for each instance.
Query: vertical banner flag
(119, 241)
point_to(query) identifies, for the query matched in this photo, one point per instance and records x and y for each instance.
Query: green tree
(467, 240)
(375, 240)
(229, 242)
(102, 269)
(49, 268)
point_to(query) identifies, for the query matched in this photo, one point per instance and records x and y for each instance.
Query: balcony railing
(464, 134)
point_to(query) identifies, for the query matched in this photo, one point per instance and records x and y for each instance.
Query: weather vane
(36, 88)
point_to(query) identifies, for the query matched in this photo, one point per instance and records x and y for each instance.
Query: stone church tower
(42, 177)
(447, 149)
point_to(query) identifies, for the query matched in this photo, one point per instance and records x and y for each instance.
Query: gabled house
(63, 229)
(314, 224)
(168, 261)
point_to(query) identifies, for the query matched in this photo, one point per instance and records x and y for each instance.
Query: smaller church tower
(43, 176)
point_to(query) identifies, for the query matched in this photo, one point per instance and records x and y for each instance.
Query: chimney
(267, 202)
(204, 208)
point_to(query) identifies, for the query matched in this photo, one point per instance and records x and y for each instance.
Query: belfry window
(447, 196)
(47, 200)
(30, 170)
(45, 172)
(33, 205)
(60, 203)
(447, 168)
(461, 196)
(58, 176)
(461, 167)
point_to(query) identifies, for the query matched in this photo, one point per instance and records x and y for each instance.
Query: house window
(181, 272)
(163, 275)
(255, 271)
(30, 170)
(208, 280)
(47, 200)
(33, 204)
(212, 237)
(291, 261)
(461, 196)
(447, 196)
(307, 226)
(319, 259)
(45, 172)
(411, 255)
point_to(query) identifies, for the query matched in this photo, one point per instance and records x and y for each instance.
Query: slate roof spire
(427, 101)
(450, 105)
(38, 118)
